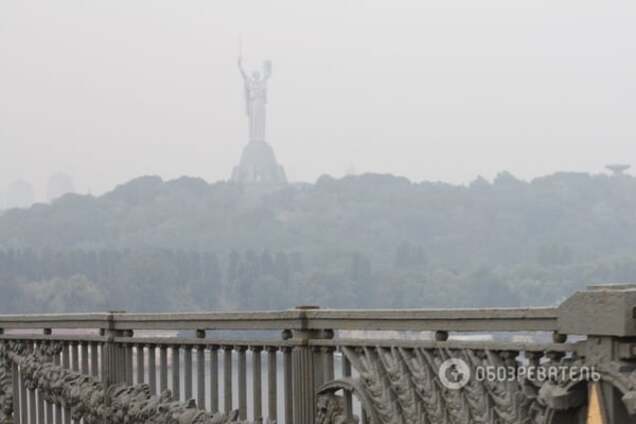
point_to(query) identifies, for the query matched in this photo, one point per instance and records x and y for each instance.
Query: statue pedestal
(258, 165)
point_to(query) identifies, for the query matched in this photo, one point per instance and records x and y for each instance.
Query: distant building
(19, 194)
(258, 163)
(59, 185)
(618, 168)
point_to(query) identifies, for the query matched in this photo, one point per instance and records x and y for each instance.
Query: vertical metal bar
(163, 368)
(75, 356)
(227, 378)
(176, 372)
(287, 371)
(121, 363)
(242, 383)
(48, 408)
(327, 355)
(188, 372)
(24, 395)
(140, 364)
(152, 368)
(58, 408)
(40, 407)
(75, 365)
(84, 359)
(16, 390)
(45, 406)
(32, 406)
(201, 377)
(94, 359)
(318, 369)
(257, 384)
(117, 362)
(100, 349)
(214, 379)
(80, 353)
(125, 364)
(48, 412)
(128, 352)
(40, 398)
(66, 363)
(111, 362)
(272, 391)
(346, 372)
(102, 357)
(23, 399)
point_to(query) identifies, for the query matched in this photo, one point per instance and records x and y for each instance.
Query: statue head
(256, 75)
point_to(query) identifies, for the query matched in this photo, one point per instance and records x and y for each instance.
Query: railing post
(110, 358)
(606, 314)
(306, 366)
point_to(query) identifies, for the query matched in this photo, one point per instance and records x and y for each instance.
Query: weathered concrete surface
(600, 311)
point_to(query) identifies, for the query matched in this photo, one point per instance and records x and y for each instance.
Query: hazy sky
(428, 89)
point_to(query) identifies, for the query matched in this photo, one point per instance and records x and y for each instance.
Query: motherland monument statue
(258, 163)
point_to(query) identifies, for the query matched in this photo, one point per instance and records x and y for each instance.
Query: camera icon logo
(454, 374)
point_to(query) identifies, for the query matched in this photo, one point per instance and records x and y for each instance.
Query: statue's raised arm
(267, 69)
(241, 69)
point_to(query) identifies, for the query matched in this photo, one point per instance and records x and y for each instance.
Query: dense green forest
(360, 241)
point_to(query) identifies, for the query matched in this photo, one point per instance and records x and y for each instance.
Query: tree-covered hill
(370, 240)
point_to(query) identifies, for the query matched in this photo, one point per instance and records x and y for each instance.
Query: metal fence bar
(242, 383)
(40, 407)
(227, 379)
(48, 411)
(128, 352)
(201, 377)
(176, 372)
(66, 362)
(123, 365)
(327, 353)
(318, 366)
(24, 409)
(272, 386)
(140, 363)
(214, 379)
(58, 407)
(163, 368)
(75, 366)
(94, 359)
(16, 390)
(38, 399)
(346, 373)
(75, 363)
(257, 384)
(188, 372)
(287, 377)
(38, 394)
(152, 368)
(32, 406)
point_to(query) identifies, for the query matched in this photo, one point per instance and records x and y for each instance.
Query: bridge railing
(289, 366)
